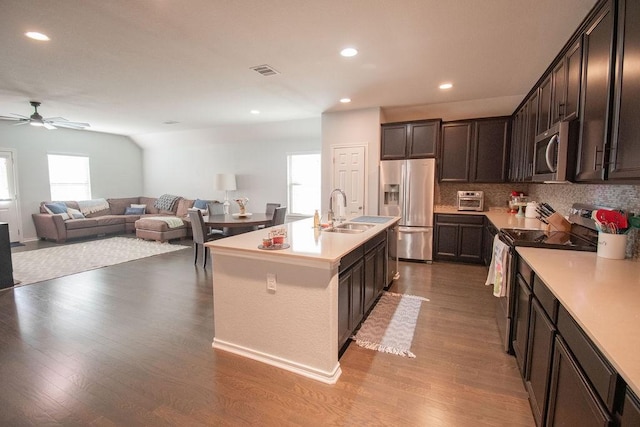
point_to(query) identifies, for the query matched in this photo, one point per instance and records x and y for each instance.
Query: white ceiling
(128, 66)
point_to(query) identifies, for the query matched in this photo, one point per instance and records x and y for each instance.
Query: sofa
(111, 216)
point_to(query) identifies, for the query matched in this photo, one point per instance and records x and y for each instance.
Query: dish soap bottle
(316, 219)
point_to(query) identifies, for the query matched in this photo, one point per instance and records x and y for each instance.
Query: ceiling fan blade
(20, 116)
(21, 122)
(67, 124)
(49, 126)
(12, 118)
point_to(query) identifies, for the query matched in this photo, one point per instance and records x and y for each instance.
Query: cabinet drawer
(546, 298)
(600, 374)
(525, 271)
(351, 258)
(375, 241)
(461, 219)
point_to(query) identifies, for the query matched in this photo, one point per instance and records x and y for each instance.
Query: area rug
(45, 264)
(390, 326)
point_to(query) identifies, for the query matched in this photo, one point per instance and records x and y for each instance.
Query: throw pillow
(134, 211)
(200, 204)
(74, 213)
(57, 208)
(144, 207)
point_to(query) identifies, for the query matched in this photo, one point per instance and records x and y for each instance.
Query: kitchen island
(281, 307)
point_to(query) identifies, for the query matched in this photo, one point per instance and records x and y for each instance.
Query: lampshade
(225, 182)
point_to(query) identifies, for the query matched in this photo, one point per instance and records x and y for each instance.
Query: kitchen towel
(499, 268)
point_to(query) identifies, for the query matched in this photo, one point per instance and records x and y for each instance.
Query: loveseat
(106, 216)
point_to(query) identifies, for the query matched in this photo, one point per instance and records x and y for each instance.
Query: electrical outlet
(271, 282)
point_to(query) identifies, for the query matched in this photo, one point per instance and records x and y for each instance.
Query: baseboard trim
(327, 377)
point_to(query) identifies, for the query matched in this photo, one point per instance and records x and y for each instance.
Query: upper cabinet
(596, 95)
(475, 150)
(624, 160)
(411, 140)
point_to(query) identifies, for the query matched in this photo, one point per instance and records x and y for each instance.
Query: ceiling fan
(49, 123)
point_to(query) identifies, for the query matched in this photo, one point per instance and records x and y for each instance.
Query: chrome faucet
(330, 213)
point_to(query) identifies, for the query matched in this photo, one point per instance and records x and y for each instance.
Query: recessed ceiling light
(37, 36)
(255, 112)
(349, 52)
(345, 100)
(445, 86)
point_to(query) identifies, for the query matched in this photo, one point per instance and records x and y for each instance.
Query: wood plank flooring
(130, 345)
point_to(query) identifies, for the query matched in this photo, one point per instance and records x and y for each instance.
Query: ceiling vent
(265, 70)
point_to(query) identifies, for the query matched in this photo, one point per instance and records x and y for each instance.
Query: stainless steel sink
(354, 226)
(348, 228)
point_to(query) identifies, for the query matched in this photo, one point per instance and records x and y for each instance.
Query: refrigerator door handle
(403, 192)
(407, 192)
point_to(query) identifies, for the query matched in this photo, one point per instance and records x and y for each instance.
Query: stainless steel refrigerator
(406, 190)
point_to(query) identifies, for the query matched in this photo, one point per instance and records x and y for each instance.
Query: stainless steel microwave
(554, 153)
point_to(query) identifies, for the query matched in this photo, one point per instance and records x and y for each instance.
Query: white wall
(185, 163)
(358, 127)
(115, 163)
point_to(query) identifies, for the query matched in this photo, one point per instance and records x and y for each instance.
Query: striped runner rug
(390, 326)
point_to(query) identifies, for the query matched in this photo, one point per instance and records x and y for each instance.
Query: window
(69, 177)
(303, 181)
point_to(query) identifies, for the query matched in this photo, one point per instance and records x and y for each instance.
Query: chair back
(197, 225)
(216, 208)
(279, 215)
(271, 208)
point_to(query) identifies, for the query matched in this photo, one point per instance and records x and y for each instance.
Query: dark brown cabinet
(6, 266)
(455, 154)
(625, 149)
(629, 415)
(374, 269)
(490, 232)
(475, 151)
(524, 131)
(539, 353)
(522, 306)
(458, 238)
(596, 95)
(565, 94)
(411, 140)
(544, 111)
(571, 400)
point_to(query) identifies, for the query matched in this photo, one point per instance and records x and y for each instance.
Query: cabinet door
(559, 91)
(381, 268)
(522, 308)
(571, 400)
(573, 61)
(455, 152)
(539, 354)
(357, 295)
(490, 144)
(544, 111)
(394, 142)
(423, 139)
(369, 279)
(625, 149)
(532, 132)
(344, 308)
(470, 243)
(446, 242)
(594, 106)
(517, 141)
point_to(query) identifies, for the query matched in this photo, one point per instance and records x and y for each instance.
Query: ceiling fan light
(37, 123)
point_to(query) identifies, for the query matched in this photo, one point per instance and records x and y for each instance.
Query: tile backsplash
(559, 196)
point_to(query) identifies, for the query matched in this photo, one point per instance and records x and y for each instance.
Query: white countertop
(602, 295)
(304, 240)
(500, 218)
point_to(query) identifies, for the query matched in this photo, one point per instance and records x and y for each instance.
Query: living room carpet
(390, 326)
(45, 264)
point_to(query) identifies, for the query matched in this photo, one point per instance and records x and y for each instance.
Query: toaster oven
(470, 201)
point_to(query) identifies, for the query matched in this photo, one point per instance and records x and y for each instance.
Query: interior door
(8, 196)
(348, 175)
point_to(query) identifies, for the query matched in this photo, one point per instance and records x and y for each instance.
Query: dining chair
(269, 211)
(201, 235)
(279, 215)
(217, 208)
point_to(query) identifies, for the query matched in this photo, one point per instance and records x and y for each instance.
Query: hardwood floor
(130, 345)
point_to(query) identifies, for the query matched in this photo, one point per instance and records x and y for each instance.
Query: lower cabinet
(458, 238)
(572, 401)
(490, 232)
(570, 383)
(629, 413)
(362, 277)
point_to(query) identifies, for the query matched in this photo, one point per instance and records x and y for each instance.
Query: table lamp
(225, 182)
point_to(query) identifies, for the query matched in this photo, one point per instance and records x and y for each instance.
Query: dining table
(235, 220)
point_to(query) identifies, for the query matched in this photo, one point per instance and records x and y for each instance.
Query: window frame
(290, 184)
(87, 185)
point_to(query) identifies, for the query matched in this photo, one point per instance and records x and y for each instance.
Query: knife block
(558, 223)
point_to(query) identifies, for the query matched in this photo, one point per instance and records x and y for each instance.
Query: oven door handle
(549, 151)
